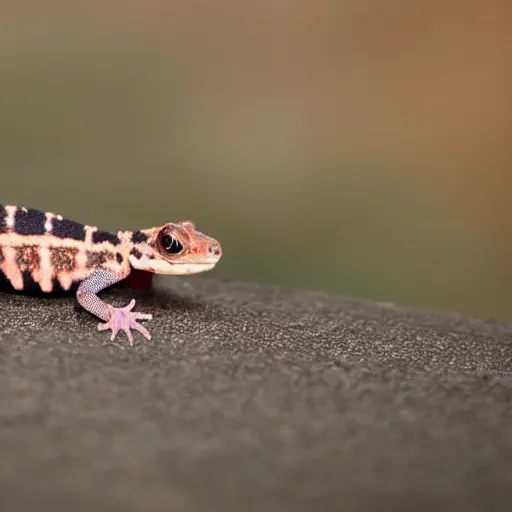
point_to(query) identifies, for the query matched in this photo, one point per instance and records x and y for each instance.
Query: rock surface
(253, 398)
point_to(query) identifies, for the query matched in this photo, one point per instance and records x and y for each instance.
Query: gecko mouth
(164, 267)
(190, 268)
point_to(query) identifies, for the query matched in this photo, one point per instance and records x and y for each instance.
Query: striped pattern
(25, 221)
(44, 252)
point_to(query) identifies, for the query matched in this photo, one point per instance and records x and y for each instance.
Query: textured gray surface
(252, 398)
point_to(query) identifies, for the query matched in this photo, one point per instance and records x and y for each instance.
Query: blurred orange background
(357, 147)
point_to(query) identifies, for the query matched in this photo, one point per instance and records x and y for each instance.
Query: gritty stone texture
(251, 398)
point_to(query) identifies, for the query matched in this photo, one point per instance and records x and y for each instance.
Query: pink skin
(124, 319)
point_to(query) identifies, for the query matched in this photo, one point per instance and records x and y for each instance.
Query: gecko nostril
(214, 249)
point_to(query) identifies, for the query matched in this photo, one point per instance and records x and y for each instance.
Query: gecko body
(45, 253)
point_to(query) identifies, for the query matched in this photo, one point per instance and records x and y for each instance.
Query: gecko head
(175, 248)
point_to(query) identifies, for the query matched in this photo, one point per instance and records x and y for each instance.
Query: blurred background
(351, 146)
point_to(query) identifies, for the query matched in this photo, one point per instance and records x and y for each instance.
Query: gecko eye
(171, 244)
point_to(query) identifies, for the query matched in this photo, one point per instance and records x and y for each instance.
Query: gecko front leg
(116, 318)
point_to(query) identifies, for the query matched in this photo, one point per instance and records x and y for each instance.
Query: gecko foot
(124, 319)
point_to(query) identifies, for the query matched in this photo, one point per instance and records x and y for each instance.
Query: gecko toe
(142, 330)
(130, 306)
(129, 335)
(143, 316)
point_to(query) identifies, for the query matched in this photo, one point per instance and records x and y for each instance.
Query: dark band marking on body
(104, 236)
(62, 228)
(139, 237)
(29, 285)
(3, 218)
(29, 222)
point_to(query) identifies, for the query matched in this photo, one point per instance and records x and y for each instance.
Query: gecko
(46, 253)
